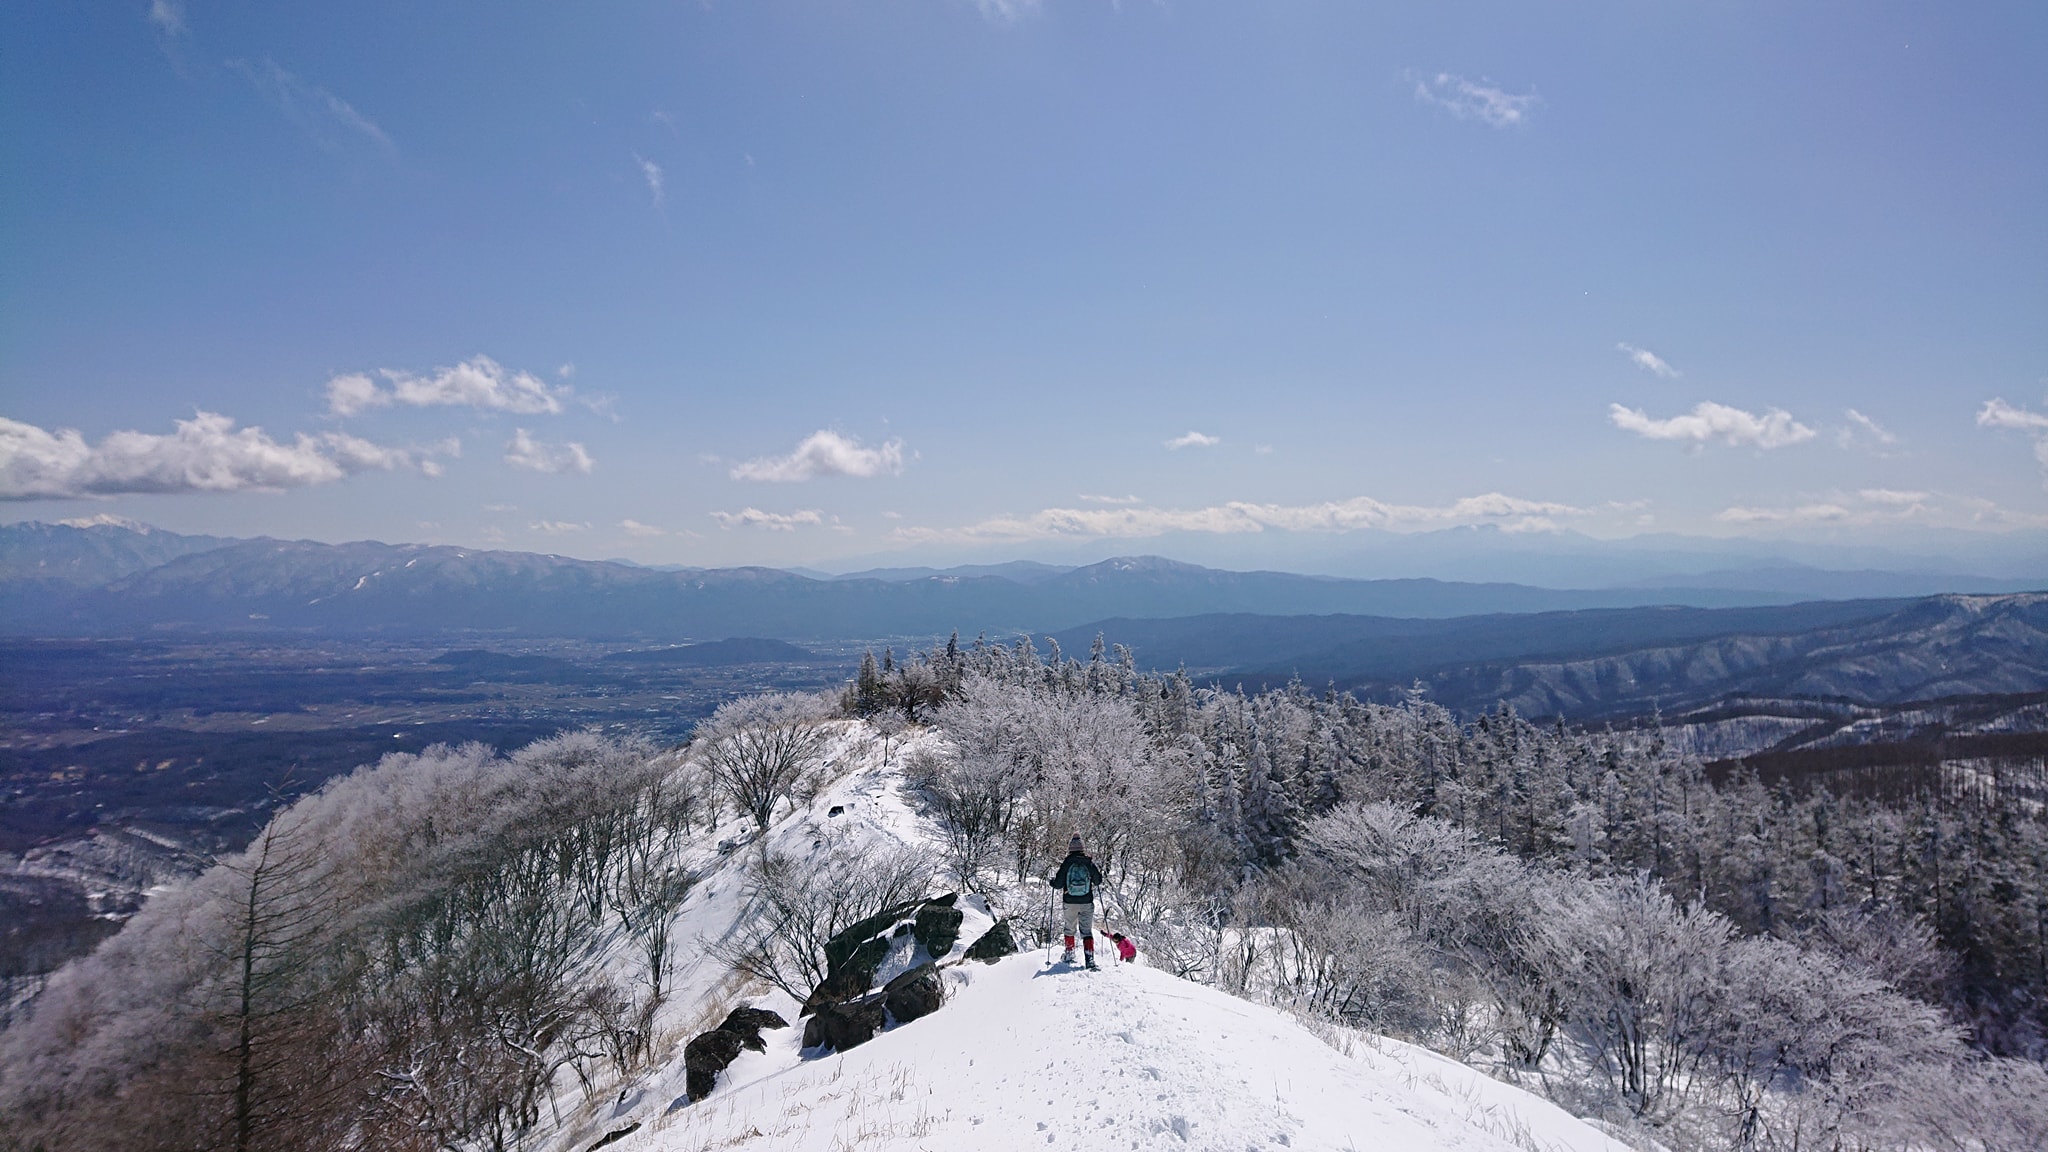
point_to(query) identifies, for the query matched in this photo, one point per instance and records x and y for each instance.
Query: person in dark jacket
(1076, 878)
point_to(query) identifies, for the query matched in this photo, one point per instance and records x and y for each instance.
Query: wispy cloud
(1802, 514)
(526, 452)
(1862, 508)
(651, 172)
(1193, 439)
(479, 382)
(636, 528)
(1361, 512)
(1469, 100)
(825, 453)
(317, 112)
(772, 521)
(1996, 413)
(1117, 500)
(1862, 427)
(1709, 421)
(1007, 11)
(1648, 361)
(557, 527)
(204, 454)
(168, 16)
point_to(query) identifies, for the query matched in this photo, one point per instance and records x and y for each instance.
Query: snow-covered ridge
(1027, 1054)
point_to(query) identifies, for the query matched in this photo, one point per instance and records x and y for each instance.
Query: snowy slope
(1028, 1056)
(1025, 1056)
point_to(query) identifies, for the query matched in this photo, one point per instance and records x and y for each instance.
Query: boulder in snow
(707, 1055)
(915, 993)
(993, 944)
(844, 1026)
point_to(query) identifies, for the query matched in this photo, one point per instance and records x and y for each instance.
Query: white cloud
(1362, 512)
(1007, 11)
(1998, 414)
(1859, 423)
(205, 454)
(1803, 514)
(651, 172)
(526, 452)
(1648, 361)
(479, 382)
(1087, 499)
(314, 109)
(1863, 508)
(773, 521)
(825, 453)
(168, 16)
(636, 528)
(566, 371)
(1709, 421)
(1472, 101)
(1194, 439)
(557, 527)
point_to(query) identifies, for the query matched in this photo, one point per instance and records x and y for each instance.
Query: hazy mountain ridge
(1865, 651)
(414, 588)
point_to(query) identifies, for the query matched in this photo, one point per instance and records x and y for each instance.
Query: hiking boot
(1091, 964)
(1067, 957)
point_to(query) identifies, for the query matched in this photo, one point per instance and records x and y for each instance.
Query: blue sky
(938, 281)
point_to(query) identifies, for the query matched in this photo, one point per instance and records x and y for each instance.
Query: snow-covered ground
(1030, 1056)
(1026, 1055)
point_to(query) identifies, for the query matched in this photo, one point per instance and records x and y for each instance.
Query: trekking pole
(1048, 928)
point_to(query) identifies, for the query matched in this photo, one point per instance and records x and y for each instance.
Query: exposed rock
(706, 1056)
(915, 993)
(994, 944)
(746, 1023)
(843, 1026)
(938, 928)
(840, 950)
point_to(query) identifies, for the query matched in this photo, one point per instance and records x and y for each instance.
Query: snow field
(1027, 1057)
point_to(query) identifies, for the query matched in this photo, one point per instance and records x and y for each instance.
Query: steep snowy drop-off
(1025, 1056)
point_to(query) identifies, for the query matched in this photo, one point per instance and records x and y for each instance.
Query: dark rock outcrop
(938, 928)
(705, 1057)
(915, 993)
(845, 1009)
(843, 1026)
(748, 1022)
(708, 1054)
(994, 944)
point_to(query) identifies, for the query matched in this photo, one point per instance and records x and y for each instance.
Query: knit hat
(1074, 845)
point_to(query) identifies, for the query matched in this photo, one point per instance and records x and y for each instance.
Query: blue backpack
(1077, 879)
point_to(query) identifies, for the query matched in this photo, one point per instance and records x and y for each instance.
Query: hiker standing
(1077, 877)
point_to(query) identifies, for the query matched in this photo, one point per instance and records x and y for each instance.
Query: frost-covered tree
(756, 748)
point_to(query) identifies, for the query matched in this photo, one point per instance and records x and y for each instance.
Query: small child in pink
(1126, 948)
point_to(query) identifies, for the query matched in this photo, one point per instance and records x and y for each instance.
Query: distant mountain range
(119, 578)
(1589, 664)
